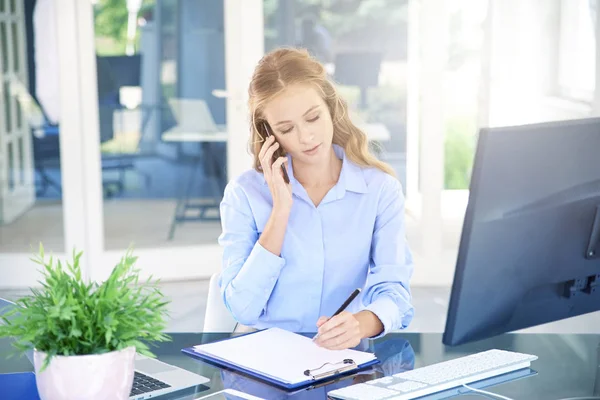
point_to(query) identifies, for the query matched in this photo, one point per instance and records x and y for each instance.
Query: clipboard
(314, 374)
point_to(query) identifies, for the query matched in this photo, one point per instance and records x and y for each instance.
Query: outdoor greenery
(69, 316)
(110, 25)
(459, 151)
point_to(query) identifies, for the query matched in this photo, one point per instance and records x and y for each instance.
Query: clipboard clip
(344, 366)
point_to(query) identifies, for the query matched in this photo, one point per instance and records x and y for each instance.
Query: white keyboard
(437, 377)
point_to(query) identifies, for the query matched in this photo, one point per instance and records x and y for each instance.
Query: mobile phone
(278, 153)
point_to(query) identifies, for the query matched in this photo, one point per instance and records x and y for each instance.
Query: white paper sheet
(281, 355)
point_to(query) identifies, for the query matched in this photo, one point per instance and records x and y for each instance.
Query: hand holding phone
(272, 160)
(277, 154)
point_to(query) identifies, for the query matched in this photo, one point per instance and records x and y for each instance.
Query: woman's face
(301, 123)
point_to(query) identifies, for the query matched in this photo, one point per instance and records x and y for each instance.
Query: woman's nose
(306, 135)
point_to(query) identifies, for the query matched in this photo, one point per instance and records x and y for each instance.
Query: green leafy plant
(69, 316)
(459, 152)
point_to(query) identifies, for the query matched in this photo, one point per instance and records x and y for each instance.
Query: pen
(343, 306)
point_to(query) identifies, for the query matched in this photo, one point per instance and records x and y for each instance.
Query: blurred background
(121, 121)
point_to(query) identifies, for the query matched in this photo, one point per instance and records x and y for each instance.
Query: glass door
(172, 129)
(31, 207)
(16, 182)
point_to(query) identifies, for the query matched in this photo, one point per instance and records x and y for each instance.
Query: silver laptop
(193, 115)
(152, 377)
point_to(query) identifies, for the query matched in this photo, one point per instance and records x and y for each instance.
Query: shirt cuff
(390, 314)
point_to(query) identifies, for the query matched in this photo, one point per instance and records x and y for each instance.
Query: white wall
(244, 46)
(426, 116)
(524, 67)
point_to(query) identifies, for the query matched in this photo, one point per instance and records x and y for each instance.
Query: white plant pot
(106, 376)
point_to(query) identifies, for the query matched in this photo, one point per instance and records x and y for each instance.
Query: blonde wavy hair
(288, 66)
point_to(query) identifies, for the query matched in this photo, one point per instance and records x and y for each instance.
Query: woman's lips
(313, 150)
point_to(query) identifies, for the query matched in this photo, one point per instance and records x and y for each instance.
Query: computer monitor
(530, 247)
(124, 70)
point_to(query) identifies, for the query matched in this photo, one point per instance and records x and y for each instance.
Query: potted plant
(85, 335)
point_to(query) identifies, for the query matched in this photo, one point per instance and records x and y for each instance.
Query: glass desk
(568, 365)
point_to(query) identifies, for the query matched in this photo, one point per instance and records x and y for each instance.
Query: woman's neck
(325, 173)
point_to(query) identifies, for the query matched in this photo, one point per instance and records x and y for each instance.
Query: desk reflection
(395, 355)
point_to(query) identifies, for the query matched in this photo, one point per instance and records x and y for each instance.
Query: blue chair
(46, 154)
(113, 72)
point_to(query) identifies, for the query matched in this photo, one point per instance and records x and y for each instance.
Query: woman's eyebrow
(289, 122)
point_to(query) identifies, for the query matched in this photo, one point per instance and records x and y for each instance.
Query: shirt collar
(351, 176)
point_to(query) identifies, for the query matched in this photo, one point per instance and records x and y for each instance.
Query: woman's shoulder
(378, 180)
(247, 183)
(375, 178)
(247, 194)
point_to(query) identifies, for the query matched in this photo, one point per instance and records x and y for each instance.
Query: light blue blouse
(355, 238)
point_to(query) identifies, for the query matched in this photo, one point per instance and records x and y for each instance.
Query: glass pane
(13, 6)
(577, 50)
(7, 112)
(21, 164)
(4, 46)
(37, 219)
(11, 166)
(2, 5)
(463, 80)
(180, 46)
(364, 51)
(15, 43)
(47, 210)
(19, 121)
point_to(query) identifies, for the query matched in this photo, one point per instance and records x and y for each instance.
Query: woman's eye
(313, 119)
(288, 130)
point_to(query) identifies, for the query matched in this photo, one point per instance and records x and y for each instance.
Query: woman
(293, 252)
